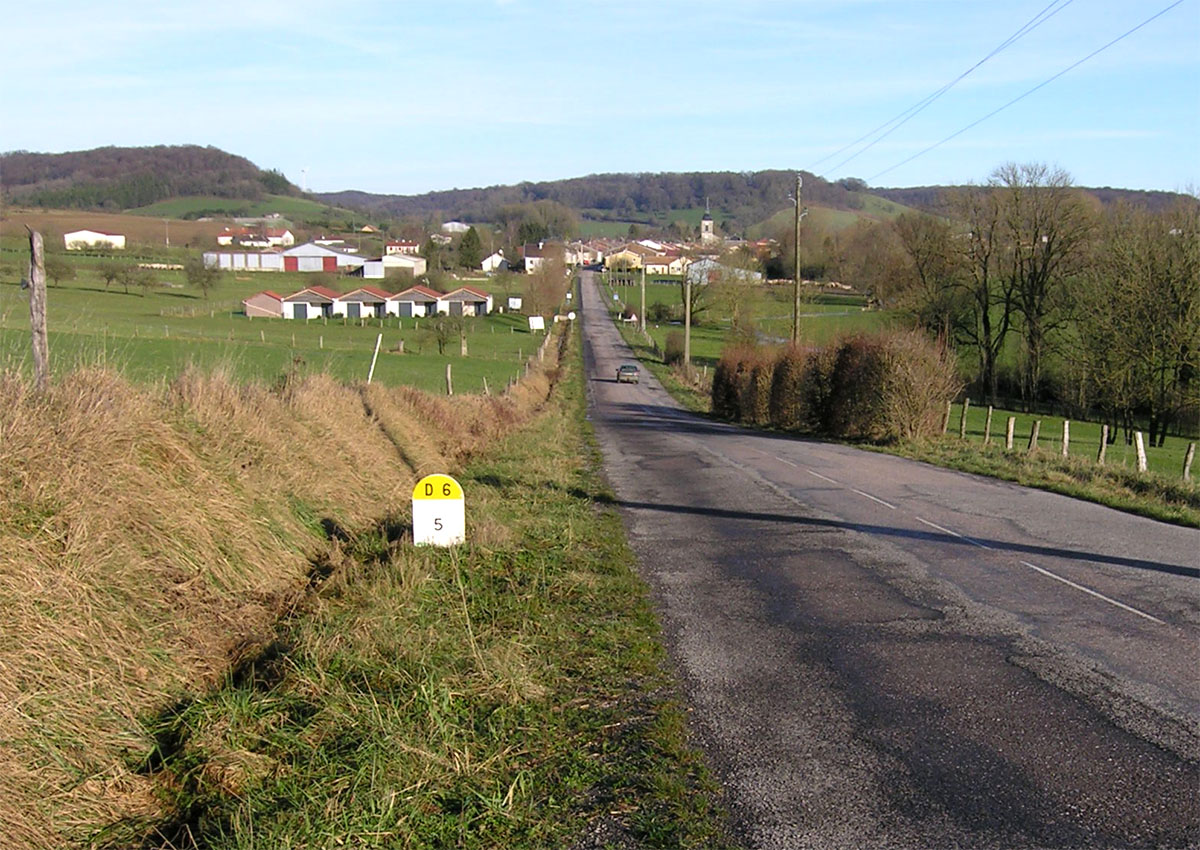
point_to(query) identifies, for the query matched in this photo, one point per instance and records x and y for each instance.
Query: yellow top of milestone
(437, 487)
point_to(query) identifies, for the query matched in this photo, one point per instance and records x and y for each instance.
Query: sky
(409, 97)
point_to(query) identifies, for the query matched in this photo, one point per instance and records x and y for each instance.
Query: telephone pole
(800, 213)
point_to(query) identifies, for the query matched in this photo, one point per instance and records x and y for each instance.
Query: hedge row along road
(880, 653)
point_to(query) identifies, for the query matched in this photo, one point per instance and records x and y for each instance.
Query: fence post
(374, 357)
(1033, 436)
(462, 345)
(1188, 457)
(946, 418)
(1066, 438)
(987, 427)
(1141, 451)
(1009, 430)
(37, 309)
(1103, 445)
(962, 419)
(449, 383)
(486, 391)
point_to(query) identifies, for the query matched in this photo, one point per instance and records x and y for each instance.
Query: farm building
(280, 237)
(77, 240)
(312, 302)
(664, 265)
(250, 261)
(266, 304)
(402, 247)
(495, 263)
(708, 270)
(381, 267)
(311, 257)
(455, 227)
(467, 301)
(366, 302)
(415, 301)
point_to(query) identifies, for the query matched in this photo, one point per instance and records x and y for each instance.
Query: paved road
(879, 653)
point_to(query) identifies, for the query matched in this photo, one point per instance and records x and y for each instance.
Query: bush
(658, 312)
(673, 352)
(786, 406)
(756, 390)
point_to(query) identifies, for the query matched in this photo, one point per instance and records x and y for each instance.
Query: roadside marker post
(438, 512)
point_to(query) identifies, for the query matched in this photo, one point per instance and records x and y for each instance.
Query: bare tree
(200, 275)
(933, 296)
(1046, 227)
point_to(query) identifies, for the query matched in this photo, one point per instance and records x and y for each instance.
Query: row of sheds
(311, 257)
(368, 302)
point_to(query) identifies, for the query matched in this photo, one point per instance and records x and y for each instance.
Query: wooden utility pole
(642, 315)
(800, 213)
(687, 324)
(37, 309)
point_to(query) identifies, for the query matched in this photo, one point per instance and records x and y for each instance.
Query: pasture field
(139, 230)
(300, 209)
(154, 335)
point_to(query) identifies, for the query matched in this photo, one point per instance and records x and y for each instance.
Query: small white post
(1141, 451)
(1103, 445)
(1188, 457)
(374, 357)
(987, 427)
(1066, 438)
(1009, 430)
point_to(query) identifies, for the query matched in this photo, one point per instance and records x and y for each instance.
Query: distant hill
(739, 199)
(930, 198)
(113, 178)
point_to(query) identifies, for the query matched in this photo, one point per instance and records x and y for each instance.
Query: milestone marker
(438, 511)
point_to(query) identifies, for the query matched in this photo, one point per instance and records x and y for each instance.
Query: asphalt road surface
(880, 653)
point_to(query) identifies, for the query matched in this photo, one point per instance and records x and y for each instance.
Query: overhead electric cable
(1026, 94)
(1033, 23)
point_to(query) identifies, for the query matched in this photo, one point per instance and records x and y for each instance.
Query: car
(627, 374)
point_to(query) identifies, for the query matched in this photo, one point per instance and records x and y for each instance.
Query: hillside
(929, 198)
(115, 178)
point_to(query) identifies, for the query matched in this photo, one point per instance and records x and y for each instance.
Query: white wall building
(77, 240)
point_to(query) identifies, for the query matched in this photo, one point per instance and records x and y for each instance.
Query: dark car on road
(627, 373)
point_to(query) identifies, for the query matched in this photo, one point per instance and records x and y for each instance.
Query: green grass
(154, 336)
(287, 206)
(511, 692)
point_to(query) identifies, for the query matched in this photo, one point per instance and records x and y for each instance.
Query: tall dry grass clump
(150, 536)
(881, 387)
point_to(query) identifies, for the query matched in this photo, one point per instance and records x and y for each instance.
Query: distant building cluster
(315, 257)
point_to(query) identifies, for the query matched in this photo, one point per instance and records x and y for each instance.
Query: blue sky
(408, 97)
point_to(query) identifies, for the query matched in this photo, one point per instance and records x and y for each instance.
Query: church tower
(706, 225)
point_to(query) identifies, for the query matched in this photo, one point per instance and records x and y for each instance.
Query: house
(467, 301)
(266, 304)
(388, 264)
(455, 227)
(627, 258)
(708, 270)
(495, 263)
(414, 301)
(664, 265)
(366, 302)
(280, 236)
(77, 240)
(402, 246)
(538, 255)
(366, 228)
(311, 257)
(312, 302)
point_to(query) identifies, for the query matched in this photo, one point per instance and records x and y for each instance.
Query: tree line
(1100, 305)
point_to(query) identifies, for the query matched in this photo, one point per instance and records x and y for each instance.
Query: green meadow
(154, 334)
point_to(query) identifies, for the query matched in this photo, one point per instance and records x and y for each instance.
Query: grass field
(298, 209)
(154, 336)
(139, 230)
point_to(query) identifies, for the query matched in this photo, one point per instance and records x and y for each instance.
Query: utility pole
(800, 213)
(687, 325)
(642, 315)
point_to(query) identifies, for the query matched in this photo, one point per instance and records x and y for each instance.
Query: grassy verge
(508, 693)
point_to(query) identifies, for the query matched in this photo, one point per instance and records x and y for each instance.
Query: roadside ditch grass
(1159, 494)
(511, 692)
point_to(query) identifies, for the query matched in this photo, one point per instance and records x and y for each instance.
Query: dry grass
(149, 536)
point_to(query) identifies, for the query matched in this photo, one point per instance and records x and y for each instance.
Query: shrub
(673, 352)
(786, 406)
(855, 402)
(756, 389)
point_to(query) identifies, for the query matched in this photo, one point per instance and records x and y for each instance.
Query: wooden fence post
(37, 309)
(962, 419)
(987, 427)
(1009, 431)
(1188, 457)
(486, 391)
(1103, 445)
(462, 345)
(1033, 436)
(1141, 450)
(946, 418)
(374, 357)
(1066, 438)
(449, 382)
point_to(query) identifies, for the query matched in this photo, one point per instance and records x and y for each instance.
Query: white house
(495, 263)
(538, 255)
(402, 246)
(266, 304)
(312, 302)
(415, 301)
(280, 237)
(362, 303)
(467, 301)
(708, 270)
(77, 240)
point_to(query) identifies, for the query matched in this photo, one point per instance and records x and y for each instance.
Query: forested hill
(931, 197)
(746, 197)
(126, 178)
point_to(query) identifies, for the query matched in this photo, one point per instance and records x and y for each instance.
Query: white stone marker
(438, 512)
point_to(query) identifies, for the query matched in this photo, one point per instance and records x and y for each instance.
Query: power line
(1026, 94)
(1033, 23)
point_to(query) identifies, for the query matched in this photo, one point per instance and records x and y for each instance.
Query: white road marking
(823, 478)
(873, 498)
(1097, 594)
(970, 540)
